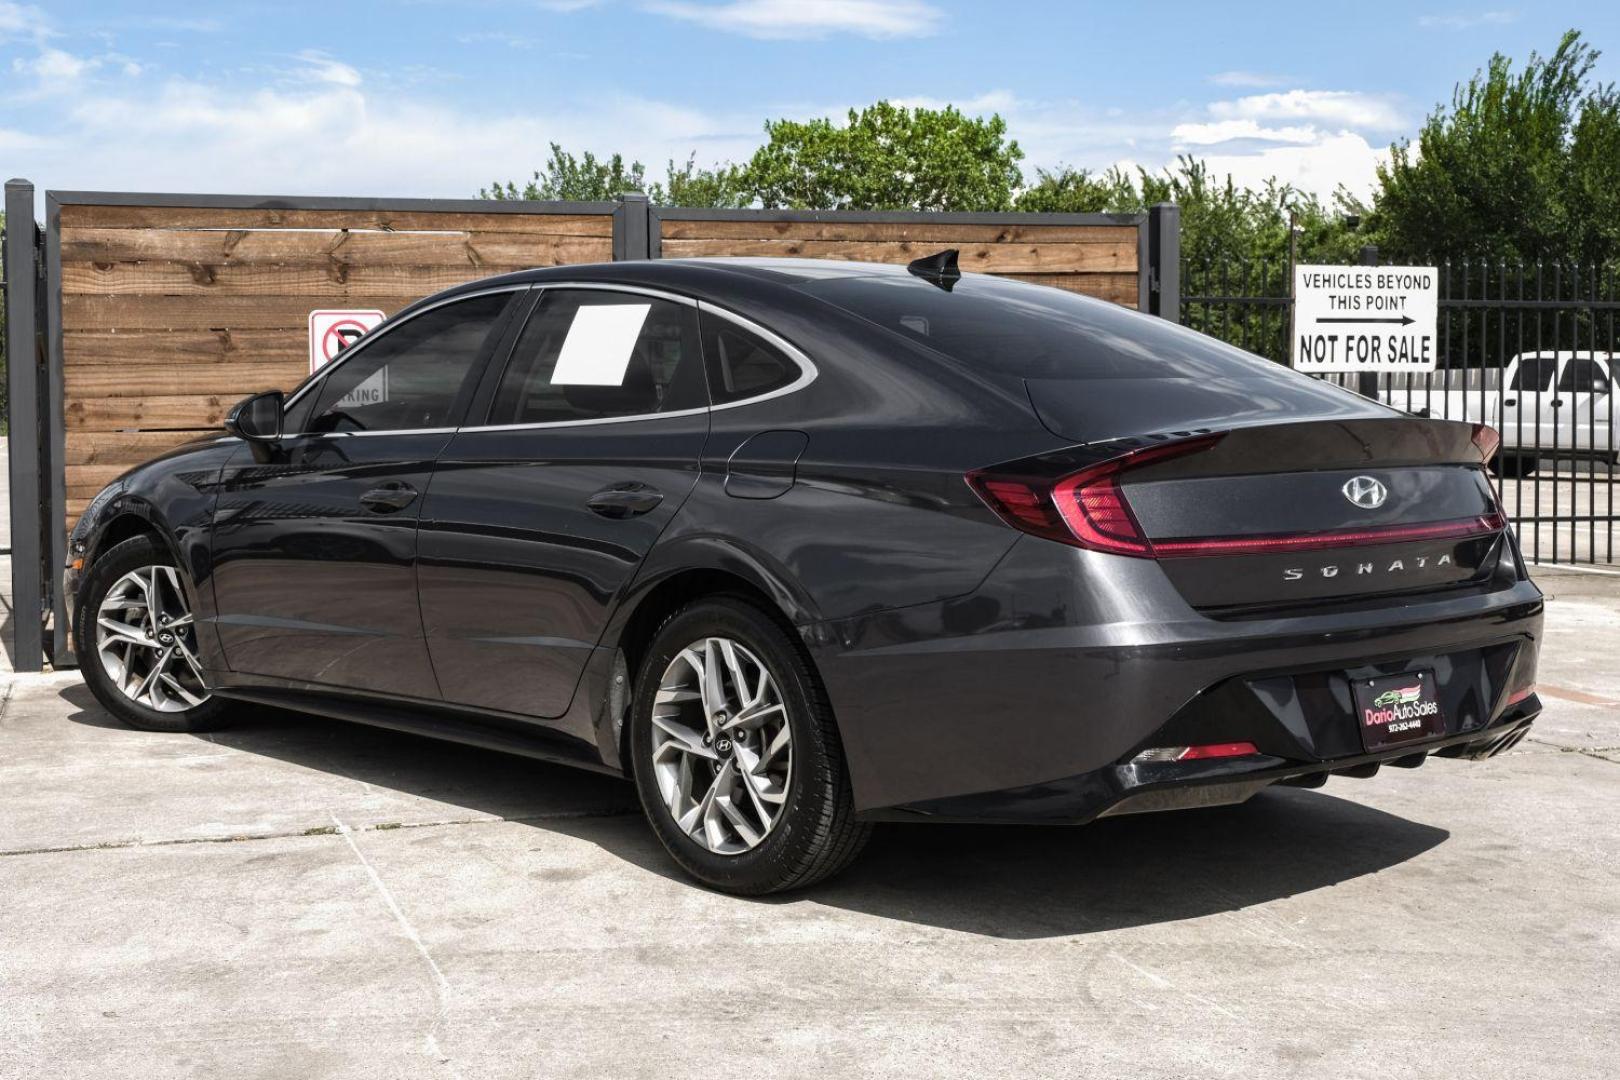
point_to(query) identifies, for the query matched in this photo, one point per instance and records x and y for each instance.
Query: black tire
(816, 834)
(132, 554)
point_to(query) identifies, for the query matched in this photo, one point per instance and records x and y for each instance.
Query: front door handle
(624, 500)
(389, 498)
(1511, 401)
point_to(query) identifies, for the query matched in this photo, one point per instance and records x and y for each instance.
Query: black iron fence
(1532, 349)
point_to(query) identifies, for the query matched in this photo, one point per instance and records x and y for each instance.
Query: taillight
(1087, 508)
(1208, 752)
(1486, 441)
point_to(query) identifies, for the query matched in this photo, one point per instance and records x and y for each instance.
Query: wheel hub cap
(722, 748)
(146, 641)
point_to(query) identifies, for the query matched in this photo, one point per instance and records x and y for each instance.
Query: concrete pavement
(301, 898)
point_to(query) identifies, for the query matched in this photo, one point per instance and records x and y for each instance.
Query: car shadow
(1011, 882)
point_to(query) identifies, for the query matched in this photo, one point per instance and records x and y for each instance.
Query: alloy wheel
(722, 747)
(147, 641)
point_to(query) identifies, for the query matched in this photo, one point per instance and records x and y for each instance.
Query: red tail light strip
(1458, 529)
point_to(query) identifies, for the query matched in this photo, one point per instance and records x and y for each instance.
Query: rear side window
(741, 363)
(412, 376)
(591, 355)
(1534, 373)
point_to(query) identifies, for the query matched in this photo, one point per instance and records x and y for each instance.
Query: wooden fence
(171, 312)
(1099, 255)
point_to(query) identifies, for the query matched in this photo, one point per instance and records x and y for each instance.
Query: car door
(314, 538)
(1526, 402)
(1583, 400)
(539, 516)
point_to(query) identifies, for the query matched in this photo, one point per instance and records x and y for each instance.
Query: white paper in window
(597, 350)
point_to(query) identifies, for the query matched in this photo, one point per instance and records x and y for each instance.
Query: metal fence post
(1367, 381)
(1164, 260)
(630, 231)
(23, 437)
(53, 443)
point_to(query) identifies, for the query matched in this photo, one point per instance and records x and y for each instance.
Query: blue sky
(437, 98)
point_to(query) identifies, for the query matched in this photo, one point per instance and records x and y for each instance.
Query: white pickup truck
(1545, 405)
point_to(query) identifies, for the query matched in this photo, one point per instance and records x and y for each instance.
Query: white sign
(1365, 318)
(330, 332)
(597, 350)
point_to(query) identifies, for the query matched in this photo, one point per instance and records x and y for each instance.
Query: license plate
(1393, 710)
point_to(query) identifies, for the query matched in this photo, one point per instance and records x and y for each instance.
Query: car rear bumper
(1028, 699)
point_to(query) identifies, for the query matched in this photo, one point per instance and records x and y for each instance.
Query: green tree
(887, 157)
(587, 178)
(583, 178)
(1221, 221)
(1523, 165)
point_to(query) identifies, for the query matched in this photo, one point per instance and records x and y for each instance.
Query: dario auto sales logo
(1399, 709)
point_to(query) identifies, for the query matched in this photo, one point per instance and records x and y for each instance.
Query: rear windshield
(1034, 331)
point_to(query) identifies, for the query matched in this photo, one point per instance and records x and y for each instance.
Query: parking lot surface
(297, 897)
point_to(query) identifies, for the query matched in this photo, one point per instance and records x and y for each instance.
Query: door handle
(1511, 401)
(1556, 403)
(388, 498)
(624, 500)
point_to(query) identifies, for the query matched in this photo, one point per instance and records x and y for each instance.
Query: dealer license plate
(1393, 710)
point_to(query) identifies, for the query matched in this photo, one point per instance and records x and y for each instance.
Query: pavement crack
(441, 985)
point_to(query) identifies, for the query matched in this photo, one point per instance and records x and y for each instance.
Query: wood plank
(929, 232)
(330, 247)
(168, 378)
(1119, 288)
(195, 279)
(185, 217)
(122, 448)
(188, 348)
(192, 313)
(155, 412)
(994, 258)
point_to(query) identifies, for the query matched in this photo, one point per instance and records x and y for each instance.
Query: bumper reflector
(1196, 753)
(1520, 694)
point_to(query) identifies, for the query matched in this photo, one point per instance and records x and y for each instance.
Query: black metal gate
(29, 451)
(1530, 349)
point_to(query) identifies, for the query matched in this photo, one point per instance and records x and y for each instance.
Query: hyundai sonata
(799, 546)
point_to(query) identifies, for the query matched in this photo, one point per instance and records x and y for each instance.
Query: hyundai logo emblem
(1365, 492)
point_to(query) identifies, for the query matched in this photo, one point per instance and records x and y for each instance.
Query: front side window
(1534, 373)
(413, 375)
(595, 354)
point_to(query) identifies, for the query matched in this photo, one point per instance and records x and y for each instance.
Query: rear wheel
(137, 641)
(736, 756)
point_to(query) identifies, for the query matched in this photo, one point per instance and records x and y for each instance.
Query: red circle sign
(335, 340)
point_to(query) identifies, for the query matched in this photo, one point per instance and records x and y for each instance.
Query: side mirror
(257, 418)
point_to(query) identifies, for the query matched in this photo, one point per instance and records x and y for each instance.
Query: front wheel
(137, 642)
(736, 756)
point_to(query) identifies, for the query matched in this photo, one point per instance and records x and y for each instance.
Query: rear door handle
(389, 498)
(625, 500)
(1511, 401)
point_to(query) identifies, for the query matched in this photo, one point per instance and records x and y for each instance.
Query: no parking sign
(330, 332)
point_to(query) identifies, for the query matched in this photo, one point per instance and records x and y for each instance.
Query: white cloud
(1467, 21)
(1222, 131)
(23, 21)
(799, 19)
(1249, 79)
(1320, 168)
(321, 68)
(1331, 108)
